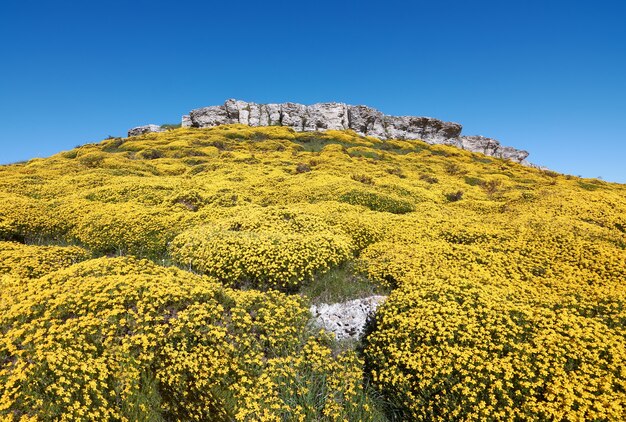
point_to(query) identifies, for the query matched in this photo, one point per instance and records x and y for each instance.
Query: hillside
(168, 276)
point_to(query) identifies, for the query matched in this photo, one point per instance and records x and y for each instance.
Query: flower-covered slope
(165, 277)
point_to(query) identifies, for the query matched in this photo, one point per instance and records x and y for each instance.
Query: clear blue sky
(546, 76)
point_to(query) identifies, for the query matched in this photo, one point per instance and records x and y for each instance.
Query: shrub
(588, 186)
(190, 200)
(277, 249)
(473, 181)
(429, 179)
(92, 159)
(491, 186)
(459, 350)
(453, 169)
(396, 171)
(364, 152)
(29, 261)
(362, 178)
(29, 220)
(377, 202)
(123, 229)
(128, 340)
(454, 196)
(302, 168)
(149, 154)
(387, 263)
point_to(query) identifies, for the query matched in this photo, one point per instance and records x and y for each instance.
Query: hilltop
(168, 276)
(363, 120)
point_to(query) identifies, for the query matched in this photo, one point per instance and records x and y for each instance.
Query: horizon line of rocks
(364, 120)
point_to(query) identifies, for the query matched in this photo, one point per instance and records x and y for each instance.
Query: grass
(339, 285)
(313, 143)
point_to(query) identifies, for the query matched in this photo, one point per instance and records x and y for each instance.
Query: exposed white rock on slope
(346, 319)
(338, 116)
(186, 121)
(140, 130)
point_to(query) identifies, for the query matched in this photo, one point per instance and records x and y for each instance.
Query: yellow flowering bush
(508, 303)
(121, 339)
(462, 349)
(312, 385)
(127, 229)
(364, 227)
(266, 248)
(29, 261)
(25, 219)
(377, 202)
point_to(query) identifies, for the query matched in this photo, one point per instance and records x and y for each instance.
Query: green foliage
(454, 196)
(590, 186)
(473, 181)
(303, 168)
(362, 178)
(338, 285)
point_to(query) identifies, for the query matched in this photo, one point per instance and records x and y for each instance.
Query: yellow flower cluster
(508, 298)
(263, 248)
(522, 323)
(377, 202)
(29, 261)
(471, 350)
(126, 228)
(121, 339)
(312, 385)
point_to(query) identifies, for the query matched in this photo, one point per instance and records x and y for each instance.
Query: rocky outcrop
(338, 116)
(347, 319)
(492, 147)
(140, 130)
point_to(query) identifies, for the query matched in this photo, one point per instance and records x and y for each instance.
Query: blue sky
(546, 76)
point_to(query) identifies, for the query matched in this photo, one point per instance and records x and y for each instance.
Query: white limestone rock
(237, 111)
(510, 153)
(326, 116)
(362, 119)
(346, 319)
(209, 116)
(427, 129)
(293, 115)
(140, 130)
(487, 146)
(271, 115)
(367, 121)
(491, 147)
(185, 121)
